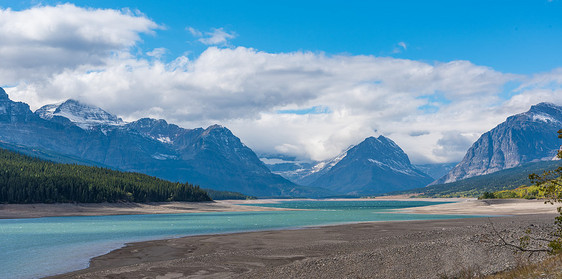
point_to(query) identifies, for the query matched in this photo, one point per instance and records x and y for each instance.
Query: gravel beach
(407, 249)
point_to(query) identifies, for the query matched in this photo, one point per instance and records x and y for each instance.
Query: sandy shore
(408, 249)
(487, 207)
(458, 206)
(10, 211)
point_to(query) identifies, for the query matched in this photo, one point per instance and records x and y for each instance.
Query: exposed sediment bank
(405, 249)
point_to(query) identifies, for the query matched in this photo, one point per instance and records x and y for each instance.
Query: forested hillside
(25, 179)
(476, 186)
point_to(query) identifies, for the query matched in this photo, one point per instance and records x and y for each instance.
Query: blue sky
(511, 36)
(300, 78)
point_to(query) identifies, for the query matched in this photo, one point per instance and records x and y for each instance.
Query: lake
(38, 247)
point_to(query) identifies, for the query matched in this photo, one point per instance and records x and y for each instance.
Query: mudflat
(404, 249)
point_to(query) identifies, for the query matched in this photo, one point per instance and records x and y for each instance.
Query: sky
(300, 78)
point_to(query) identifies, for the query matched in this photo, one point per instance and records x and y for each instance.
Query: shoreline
(400, 249)
(453, 206)
(38, 210)
(21, 211)
(430, 247)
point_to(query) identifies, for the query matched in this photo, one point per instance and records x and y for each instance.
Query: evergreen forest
(25, 179)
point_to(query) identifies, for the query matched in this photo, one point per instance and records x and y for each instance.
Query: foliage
(25, 179)
(476, 186)
(550, 182)
(226, 195)
(549, 268)
(523, 192)
(487, 195)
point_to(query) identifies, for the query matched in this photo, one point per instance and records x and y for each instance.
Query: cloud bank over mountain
(308, 104)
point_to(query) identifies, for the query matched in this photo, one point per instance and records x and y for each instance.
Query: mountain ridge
(212, 157)
(375, 165)
(522, 138)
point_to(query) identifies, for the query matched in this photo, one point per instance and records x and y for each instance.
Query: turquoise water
(31, 248)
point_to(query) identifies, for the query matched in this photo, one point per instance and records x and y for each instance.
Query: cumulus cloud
(326, 102)
(45, 39)
(217, 36)
(452, 145)
(306, 104)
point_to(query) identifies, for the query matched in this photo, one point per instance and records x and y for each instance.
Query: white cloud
(400, 47)
(194, 32)
(157, 52)
(45, 39)
(245, 89)
(217, 36)
(432, 110)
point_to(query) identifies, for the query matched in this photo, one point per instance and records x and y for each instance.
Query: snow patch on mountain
(544, 118)
(164, 139)
(82, 115)
(326, 165)
(401, 169)
(160, 156)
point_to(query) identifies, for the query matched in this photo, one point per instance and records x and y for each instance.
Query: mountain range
(212, 157)
(74, 132)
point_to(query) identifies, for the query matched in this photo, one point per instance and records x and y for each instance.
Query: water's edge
(243, 222)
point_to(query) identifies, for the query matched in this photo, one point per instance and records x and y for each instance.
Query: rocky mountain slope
(376, 165)
(525, 137)
(212, 158)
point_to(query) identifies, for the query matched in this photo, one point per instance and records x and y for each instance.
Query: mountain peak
(216, 127)
(83, 115)
(3, 94)
(522, 138)
(545, 105)
(376, 165)
(545, 108)
(13, 112)
(383, 148)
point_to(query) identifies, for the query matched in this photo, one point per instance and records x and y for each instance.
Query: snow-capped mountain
(525, 137)
(376, 165)
(302, 172)
(289, 167)
(212, 157)
(82, 115)
(322, 167)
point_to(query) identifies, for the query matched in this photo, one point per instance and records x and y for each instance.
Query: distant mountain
(288, 167)
(82, 115)
(507, 179)
(522, 138)
(376, 165)
(298, 171)
(436, 170)
(14, 112)
(212, 158)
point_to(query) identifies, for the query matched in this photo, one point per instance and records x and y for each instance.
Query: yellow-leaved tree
(551, 183)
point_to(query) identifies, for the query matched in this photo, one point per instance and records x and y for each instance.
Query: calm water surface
(32, 248)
